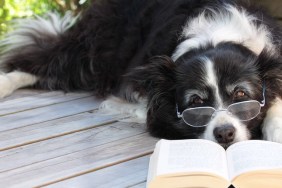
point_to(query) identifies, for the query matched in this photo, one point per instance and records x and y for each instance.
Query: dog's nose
(224, 134)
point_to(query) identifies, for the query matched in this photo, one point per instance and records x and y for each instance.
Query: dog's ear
(159, 72)
(270, 69)
(268, 64)
(158, 78)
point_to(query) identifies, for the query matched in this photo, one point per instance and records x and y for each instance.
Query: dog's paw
(275, 136)
(136, 112)
(272, 130)
(6, 88)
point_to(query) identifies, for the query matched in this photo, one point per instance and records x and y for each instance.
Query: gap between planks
(61, 127)
(96, 169)
(20, 93)
(48, 113)
(38, 101)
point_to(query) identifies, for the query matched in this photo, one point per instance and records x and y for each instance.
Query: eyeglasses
(200, 116)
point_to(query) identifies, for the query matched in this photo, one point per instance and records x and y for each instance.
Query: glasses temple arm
(263, 93)
(179, 115)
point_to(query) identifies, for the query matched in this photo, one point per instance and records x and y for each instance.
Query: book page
(153, 163)
(191, 156)
(253, 155)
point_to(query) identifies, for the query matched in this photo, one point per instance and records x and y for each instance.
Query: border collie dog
(209, 69)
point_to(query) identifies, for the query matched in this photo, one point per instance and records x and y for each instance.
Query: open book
(205, 164)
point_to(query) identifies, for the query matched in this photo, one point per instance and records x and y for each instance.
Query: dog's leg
(14, 80)
(272, 125)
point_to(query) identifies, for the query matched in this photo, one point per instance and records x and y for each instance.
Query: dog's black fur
(121, 47)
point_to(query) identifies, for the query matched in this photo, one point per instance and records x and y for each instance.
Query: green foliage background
(11, 9)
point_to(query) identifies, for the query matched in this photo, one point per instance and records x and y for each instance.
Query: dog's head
(214, 93)
(220, 90)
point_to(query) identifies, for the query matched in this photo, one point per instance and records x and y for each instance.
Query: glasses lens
(245, 110)
(197, 117)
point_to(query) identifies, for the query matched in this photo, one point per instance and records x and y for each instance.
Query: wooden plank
(32, 167)
(48, 113)
(22, 93)
(140, 185)
(128, 174)
(55, 128)
(36, 101)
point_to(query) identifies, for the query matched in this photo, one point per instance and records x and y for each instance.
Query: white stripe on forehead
(212, 81)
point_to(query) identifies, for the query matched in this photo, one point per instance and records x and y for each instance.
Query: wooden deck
(52, 139)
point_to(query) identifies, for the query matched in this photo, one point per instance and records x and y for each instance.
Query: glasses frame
(261, 104)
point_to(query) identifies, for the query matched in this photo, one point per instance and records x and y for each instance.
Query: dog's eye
(239, 94)
(197, 100)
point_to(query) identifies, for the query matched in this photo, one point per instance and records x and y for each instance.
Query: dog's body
(156, 55)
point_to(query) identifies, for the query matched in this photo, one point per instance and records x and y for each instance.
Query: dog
(209, 69)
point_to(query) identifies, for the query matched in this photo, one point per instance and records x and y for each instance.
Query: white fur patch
(11, 81)
(136, 112)
(6, 87)
(228, 24)
(272, 124)
(26, 29)
(212, 81)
